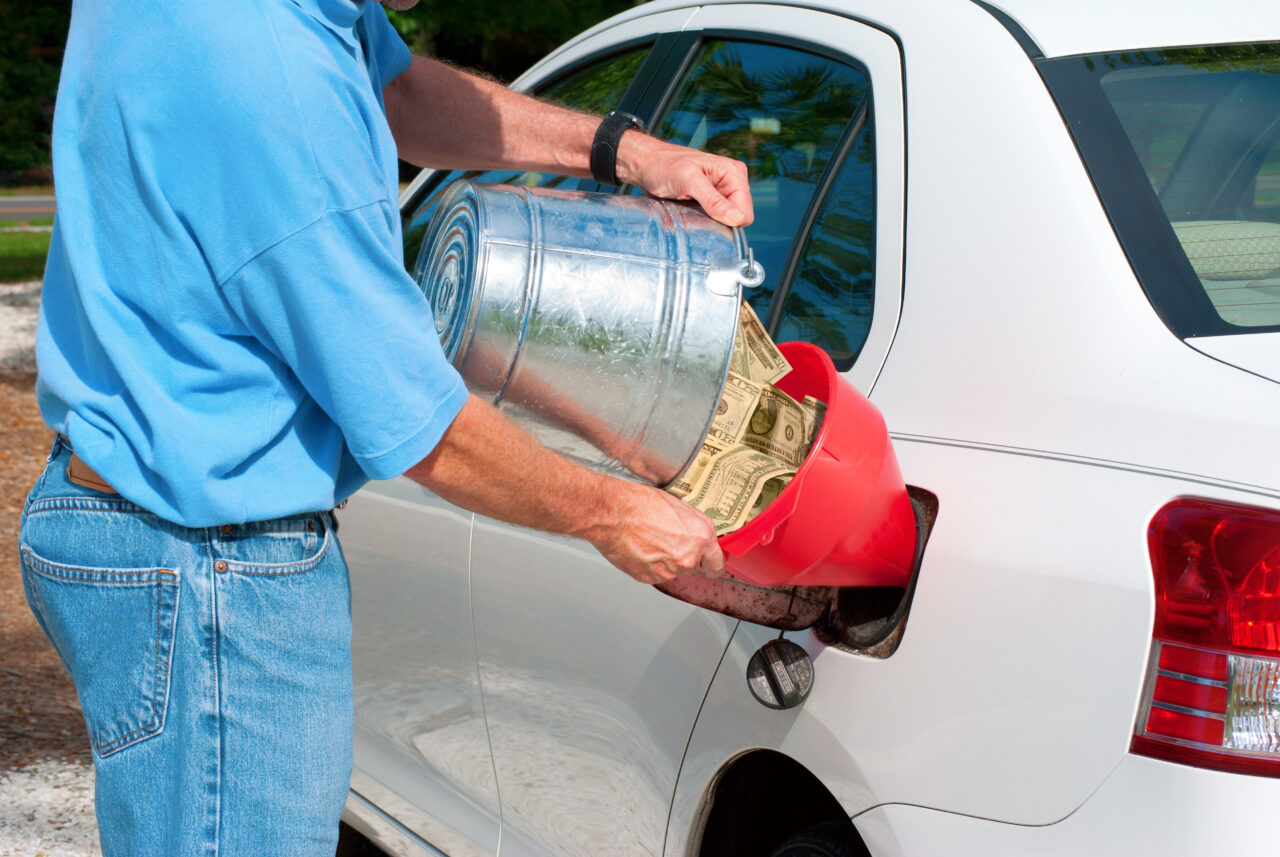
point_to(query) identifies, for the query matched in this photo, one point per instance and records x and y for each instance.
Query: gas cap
(780, 675)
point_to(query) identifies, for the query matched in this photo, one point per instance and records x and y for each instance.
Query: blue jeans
(213, 667)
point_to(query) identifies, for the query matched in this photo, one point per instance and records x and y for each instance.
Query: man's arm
(442, 117)
(488, 464)
(445, 118)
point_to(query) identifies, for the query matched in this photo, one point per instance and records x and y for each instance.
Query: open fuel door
(868, 618)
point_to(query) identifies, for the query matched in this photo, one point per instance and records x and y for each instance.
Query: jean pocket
(275, 548)
(114, 630)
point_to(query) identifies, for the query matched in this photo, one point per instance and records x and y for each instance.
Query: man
(228, 347)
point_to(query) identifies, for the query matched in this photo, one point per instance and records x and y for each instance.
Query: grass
(22, 254)
(39, 190)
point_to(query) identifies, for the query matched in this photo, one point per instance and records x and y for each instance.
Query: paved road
(26, 207)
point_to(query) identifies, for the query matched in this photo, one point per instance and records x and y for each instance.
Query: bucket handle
(752, 275)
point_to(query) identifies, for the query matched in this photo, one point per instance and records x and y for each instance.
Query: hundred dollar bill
(814, 412)
(737, 403)
(768, 493)
(729, 487)
(778, 428)
(683, 484)
(755, 357)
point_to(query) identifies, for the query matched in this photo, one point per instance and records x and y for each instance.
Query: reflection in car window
(831, 294)
(597, 88)
(1202, 122)
(1266, 187)
(780, 110)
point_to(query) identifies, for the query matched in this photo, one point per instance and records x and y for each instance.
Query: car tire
(829, 839)
(352, 844)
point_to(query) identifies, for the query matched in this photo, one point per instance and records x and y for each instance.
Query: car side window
(832, 292)
(597, 88)
(781, 110)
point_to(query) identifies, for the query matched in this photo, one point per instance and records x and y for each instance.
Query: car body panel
(421, 740)
(1013, 693)
(1062, 29)
(1145, 807)
(1254, 352)
(592, 683)
(1057, 29)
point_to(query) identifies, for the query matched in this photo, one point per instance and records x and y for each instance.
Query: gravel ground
(18, 305)
(46, 777)
(46, 810)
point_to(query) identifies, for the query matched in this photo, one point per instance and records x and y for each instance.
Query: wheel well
(763, 798)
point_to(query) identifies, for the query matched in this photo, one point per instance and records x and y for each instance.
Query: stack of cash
(759, 437)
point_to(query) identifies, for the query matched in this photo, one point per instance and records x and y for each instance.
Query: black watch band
(604, 148)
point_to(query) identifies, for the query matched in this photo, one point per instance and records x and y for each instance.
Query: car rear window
(1197, 132)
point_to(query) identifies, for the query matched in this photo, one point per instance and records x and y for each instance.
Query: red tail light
(1213, 687)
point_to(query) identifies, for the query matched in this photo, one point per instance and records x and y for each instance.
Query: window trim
(842, 360)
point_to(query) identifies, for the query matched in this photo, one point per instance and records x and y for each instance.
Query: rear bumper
(1144, 807)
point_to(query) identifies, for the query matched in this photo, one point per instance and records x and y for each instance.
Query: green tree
(500, 37)
(30, 57)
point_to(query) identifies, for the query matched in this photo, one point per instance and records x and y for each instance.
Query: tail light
(1212, 696)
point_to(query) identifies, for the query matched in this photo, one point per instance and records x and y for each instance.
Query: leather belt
(85, 476)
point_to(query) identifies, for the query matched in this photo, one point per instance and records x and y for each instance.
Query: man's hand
(656, 537)
(716, 183)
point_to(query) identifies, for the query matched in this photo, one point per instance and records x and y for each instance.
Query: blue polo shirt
(227, 332)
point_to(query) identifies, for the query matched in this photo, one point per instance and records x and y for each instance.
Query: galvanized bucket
(602, 324)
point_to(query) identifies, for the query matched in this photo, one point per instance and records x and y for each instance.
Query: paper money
(730, 486)
(737, 403)
(683, 484)
(755, 357)
(768, 493)
(759, 435)
(814, 412)
(778, 428)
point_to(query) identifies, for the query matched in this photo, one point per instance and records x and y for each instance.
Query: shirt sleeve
(333, 302)
(386, 53)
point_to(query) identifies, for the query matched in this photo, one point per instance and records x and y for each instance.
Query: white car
(1044, 239)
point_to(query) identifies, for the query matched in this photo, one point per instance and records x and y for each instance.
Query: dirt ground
(39, 716)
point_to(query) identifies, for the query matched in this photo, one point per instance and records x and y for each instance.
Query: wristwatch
(604, 148)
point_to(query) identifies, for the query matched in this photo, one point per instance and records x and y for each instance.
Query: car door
(421, 743)
(591, 682)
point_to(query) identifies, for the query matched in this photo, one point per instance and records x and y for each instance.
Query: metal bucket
(602, 324)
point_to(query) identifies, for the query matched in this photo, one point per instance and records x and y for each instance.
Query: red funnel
(845, 519)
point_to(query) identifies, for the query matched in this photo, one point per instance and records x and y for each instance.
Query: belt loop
(58, 443)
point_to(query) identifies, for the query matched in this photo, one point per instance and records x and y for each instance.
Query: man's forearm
(488, 464)
(445, 118)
